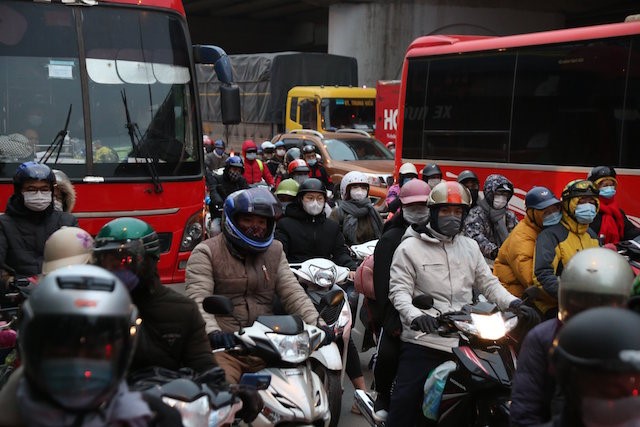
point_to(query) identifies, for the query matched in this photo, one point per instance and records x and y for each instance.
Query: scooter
(320, 276)
(478, 388)
(296, 394)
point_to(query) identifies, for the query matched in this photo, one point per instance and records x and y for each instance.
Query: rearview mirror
(423, 302)
(332, 299)
(217, 304)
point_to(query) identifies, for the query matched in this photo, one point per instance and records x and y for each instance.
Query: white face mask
(251, 156)
(280, 152)
(37, 201)
(499, 201)
(313, 208)
(433, 182)
(358, 193)
(57, 205)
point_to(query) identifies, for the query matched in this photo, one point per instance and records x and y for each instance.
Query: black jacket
(172, 334)
(383, 311)
(23, 234)
(219, 187)
(304, 236)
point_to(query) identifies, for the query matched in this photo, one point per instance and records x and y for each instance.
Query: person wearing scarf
(490, 221)
(359, 220)
(611, 225)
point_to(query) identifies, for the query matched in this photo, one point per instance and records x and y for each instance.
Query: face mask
(416, 214)
(35, 120)
(234, 176)
(607, 192)
(449, 225)
(68, 381)
(312, 162)
(57, 205)
(499, 201)
(405, 180)
(280, 153)
(585, 213)
(393, 150)
(358, 193)
(300, 178)
(433, 182)
(128, 278)
(37, 201)
(474, 195)
(251, 156)
(255, 232)
(552, 219)
(313, 208)
(598, 412)
(219, 151)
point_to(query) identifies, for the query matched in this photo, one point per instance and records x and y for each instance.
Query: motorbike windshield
(107, 90)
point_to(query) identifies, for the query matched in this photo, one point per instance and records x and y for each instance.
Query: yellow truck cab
(329, 108)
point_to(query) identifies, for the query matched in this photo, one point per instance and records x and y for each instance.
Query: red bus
(106, 92)
(540, 108)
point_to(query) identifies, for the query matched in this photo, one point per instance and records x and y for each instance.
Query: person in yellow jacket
(557, 244)
(514, 264)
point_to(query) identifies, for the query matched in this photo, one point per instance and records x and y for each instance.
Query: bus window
(630, 116)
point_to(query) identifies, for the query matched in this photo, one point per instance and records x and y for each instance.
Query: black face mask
(474, 195)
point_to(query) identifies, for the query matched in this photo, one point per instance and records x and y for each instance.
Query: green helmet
(288, 187)
(594, 277)
(125, 231)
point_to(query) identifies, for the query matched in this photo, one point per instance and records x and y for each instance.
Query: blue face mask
(607, 192)
(128, 277)
(219, 151)
(311, 162)
(585, 213)
(552, 219)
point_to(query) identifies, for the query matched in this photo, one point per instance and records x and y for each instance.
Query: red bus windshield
(541, 108)
(105, 93)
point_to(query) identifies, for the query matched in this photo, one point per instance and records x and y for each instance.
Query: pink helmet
(414, 191)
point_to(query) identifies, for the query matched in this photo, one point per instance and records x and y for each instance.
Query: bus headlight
(193, 232)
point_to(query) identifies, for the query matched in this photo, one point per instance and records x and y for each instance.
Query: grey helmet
(594, 277)
(77, 336)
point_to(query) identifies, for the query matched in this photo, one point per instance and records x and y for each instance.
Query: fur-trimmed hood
(68, 192)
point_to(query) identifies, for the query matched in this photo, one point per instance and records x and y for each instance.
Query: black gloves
(424, 323)
(329, 335)
(252, 403)
(219, 339)
(529, 316)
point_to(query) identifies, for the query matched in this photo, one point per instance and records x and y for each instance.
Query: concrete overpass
(377, 32)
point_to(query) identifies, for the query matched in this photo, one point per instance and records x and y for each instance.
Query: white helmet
(353, 177)
(67, 246)
(408, 168)
(268, 145)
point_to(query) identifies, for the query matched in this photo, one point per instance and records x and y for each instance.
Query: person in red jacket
(254, 170)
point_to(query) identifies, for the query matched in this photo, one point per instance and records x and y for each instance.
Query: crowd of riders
(97, 305)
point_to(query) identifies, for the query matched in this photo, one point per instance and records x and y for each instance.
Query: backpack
(364, 278)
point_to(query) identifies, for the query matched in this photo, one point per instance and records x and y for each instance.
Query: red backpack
(364, 278)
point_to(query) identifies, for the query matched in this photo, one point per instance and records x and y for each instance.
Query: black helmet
(308, 148)
(256, 201)
(32, 171)
(292, 154)
(312, 185)
(540, 198)
(467, 174)
(430, 170)
(77, 336)
(600, 172)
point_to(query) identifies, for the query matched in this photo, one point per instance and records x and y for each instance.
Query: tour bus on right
(540, 108)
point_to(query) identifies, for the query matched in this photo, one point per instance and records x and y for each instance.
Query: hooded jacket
(304, 236)
(23, 234)
(67, 190)
(446, 269)
(254, 170)
(514, 263)
(554, 248)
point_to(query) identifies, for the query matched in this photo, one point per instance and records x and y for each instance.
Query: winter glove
(329, 335)
(529, 316)
(252, 403)
(219, 339)
(424, 323)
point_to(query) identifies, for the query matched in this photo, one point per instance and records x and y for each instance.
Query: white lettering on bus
(390, 119)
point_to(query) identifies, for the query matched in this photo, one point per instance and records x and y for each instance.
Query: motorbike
(320, 276)
(478, 389)
(631, 250)
(296, 394)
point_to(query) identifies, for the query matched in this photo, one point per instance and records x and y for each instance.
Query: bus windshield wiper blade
(58, 140)
(134, 136)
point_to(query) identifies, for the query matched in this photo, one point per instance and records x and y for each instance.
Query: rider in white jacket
(435, 260)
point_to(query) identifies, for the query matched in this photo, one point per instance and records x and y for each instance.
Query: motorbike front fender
(329, 356)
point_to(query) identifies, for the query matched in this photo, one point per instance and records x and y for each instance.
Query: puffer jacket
(446, 269)
(554, 248)
(255, 170)
(514, 264)
(250, 282)
(304, 236)
(23, 234)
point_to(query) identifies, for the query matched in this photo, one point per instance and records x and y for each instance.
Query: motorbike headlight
(323, 277)
(292, 348)
(489, 327)
(193, 414)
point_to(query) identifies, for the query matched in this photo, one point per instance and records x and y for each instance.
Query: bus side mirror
(230, 104)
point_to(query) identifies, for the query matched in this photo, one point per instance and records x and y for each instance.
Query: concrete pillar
(378, 33)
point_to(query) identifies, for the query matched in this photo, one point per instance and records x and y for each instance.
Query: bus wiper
(58, 140)
(134, 135)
